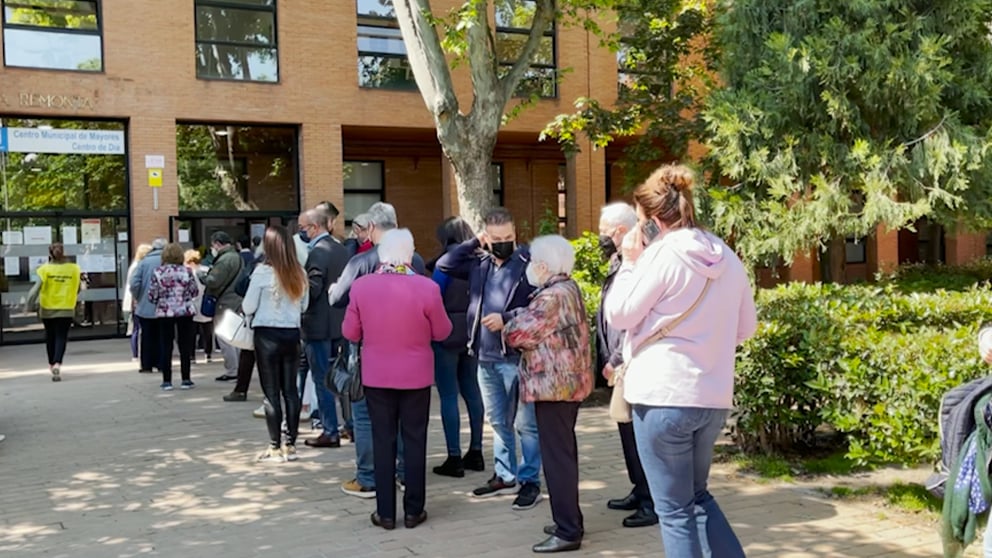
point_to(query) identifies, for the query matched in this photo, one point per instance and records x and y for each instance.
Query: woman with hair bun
(684, 299)
(55, 294)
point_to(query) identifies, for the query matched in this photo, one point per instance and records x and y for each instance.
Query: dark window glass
(237, 168)
(382, 60)
(363, 186)
(237, 43)
(498, 185)
(514, 19)
(52, 34)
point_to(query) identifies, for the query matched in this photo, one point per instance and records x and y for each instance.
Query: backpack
(243, 280)
(957, 422)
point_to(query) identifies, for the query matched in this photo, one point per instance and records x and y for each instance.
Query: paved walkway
(104, 464)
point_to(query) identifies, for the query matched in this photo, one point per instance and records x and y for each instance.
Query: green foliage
(766, 466)
(589, 272)
(908, 497)
(870, 362)
(928, 278)
(837, 117)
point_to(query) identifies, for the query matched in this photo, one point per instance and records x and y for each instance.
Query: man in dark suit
(321, 323)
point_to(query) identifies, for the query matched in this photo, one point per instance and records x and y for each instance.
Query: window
(231, 167)
(854, 251)
(53, 34)
(498, 198)
(562, 195)
(514, 19)
(236, 40)
(364, 185)
(382, 60)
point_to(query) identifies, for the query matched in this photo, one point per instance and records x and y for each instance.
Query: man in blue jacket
(495, 267)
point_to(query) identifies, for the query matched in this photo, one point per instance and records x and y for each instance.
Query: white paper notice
(11, 266)
(70, 236)
(154, 161)
(122, 237)
(34, 262)
(97, 263)
(13, 237)
(38, 235)
(91, 231)
(183, 235)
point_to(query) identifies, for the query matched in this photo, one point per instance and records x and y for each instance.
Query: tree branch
(427, 60)
(543, 15)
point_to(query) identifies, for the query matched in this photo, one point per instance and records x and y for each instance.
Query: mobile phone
(649, 231)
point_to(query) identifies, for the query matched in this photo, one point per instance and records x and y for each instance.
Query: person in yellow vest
(55, 295)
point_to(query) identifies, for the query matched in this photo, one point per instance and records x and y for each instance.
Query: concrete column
(321, 164)
(886, 249)
(585, 189)
(965, 247)
(148, 135)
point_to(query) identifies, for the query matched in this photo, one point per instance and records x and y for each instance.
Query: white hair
(554, 251)
(382, 215)
(619, 214)
(396, 247)
(159, 243)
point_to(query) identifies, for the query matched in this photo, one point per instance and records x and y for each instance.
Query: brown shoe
(324, 441)
(411, 521)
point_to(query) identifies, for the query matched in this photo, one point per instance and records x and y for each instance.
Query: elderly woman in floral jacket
(552, 334)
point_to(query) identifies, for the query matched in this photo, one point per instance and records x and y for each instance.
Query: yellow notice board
(155, 178)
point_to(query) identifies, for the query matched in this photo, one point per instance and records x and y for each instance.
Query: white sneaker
(272, 455)
(259, 412)
(2, 437)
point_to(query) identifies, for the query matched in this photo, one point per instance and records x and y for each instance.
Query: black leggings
(171, 332)
(56, 337)
(277, 352)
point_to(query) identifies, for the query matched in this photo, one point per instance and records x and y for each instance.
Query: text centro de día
(82, 140)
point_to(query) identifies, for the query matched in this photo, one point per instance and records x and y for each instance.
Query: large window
(236, 168)
(514, 19)
(236, 40)
(382, 60)
(364, 185)
(52, 34)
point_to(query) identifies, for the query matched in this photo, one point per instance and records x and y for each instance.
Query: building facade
(125, 121)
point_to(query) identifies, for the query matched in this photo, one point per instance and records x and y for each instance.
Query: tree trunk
(833, 261)
(474, 179)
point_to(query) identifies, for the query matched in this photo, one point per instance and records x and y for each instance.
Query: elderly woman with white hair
(552, 334)
(396, 313)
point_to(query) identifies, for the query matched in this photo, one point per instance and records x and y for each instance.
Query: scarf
(401, 269)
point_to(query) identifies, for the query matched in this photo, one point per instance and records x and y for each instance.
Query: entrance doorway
(193, 232)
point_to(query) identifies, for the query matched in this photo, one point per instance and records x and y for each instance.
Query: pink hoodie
(694, 365)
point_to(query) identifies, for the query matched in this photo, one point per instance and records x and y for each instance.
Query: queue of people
(497, 323)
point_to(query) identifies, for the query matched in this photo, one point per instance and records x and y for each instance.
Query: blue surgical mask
(304, 236)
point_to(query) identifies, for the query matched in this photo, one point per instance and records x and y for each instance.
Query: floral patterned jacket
(552, 334)
(173, 291)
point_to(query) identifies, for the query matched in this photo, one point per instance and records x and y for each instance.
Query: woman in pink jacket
(396, 314)
(676, 277)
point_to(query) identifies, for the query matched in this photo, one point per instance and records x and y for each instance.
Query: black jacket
(609, 341)
(324, 266)
(359, 265)
(456, 301)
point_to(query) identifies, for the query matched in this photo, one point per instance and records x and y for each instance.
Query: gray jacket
(221, 280)
(140, 283)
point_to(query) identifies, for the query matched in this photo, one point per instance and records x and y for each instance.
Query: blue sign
(3, 140)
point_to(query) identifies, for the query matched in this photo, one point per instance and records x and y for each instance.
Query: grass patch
(907, 497)
(786, 468)
(766, 466)
(836, 464)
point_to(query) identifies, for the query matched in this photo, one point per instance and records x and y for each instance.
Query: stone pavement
(104, 464)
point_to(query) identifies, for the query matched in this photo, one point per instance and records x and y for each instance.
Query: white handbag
(235, 330)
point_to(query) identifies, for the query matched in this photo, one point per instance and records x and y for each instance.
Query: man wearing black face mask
(615, 221)
(498, 284)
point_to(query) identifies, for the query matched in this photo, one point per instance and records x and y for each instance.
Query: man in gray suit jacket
(321, 323)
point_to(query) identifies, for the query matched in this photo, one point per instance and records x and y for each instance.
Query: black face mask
(502, 250)
(607, 245)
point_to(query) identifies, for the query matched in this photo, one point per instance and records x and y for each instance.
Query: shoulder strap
(241, 267)
(667, 329)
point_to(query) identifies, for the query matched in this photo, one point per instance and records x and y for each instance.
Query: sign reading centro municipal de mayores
(39, 140)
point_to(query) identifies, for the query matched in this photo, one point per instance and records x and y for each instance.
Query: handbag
(208, 306)
(345, 378)
(235, 330)
(620, 410)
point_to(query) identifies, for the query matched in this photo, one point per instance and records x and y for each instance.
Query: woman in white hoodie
(679, 279)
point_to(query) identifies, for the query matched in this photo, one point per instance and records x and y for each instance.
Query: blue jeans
(499, 382)
(675, 445)
(364, 454)
(457, 372)
(319, 357)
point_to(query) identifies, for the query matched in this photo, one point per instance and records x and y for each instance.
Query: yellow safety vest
(59, 286)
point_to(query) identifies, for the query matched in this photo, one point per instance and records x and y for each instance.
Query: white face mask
(532, 276)
(213, 251)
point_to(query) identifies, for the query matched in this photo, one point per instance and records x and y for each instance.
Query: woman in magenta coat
(396, 314)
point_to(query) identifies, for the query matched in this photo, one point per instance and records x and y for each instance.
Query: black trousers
(171, 332)
(149, 343)
(56, 338)
(246, 363)
(407, 411)
(278, 354)
(560, 455)
(635, 472)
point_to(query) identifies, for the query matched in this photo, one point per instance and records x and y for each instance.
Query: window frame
(382, 180)
(499, 192)
(233, 5)
(552, 32)
(98, 32)
(380, 22)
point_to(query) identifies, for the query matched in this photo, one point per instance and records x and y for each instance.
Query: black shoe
(387, 524)
(145, 371)
(495, 487)
(555, 544)
(641, 518)
(629, 503)
(236, 396)
(550, 529)
(225, 378)
(324, 441)
(529, 496)
(452, 467)
(473, 461)
(411, 521)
